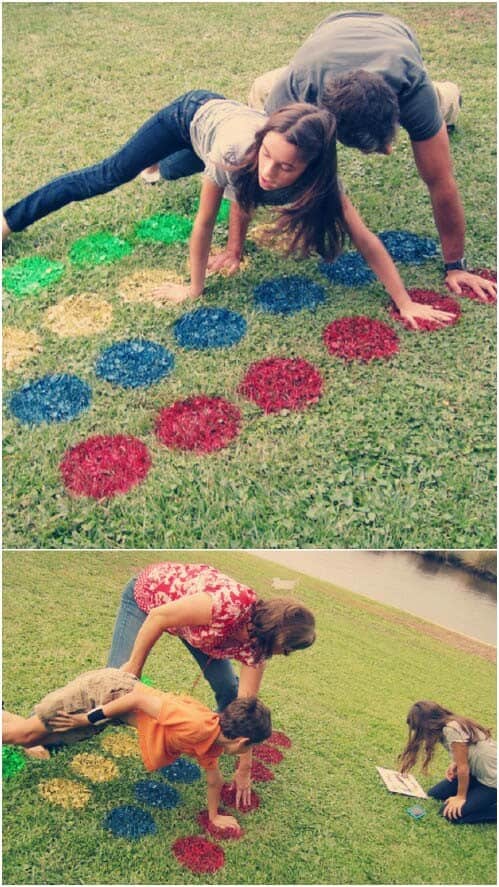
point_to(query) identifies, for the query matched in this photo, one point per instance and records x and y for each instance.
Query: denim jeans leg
(163, 134)
(480, 803)
(129, 620)
(219, 674)
(178, 166)
(443, 790)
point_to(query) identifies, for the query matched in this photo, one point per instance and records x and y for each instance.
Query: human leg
(179, 165)
(129, 620)
(219, 674)
(449, 99)
(262, 87)
(443, 790)
(480, 806)
(27, 732)
(164, 133)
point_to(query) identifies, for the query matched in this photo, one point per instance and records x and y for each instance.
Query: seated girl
(470, 785)
(168, 725)
(287, 161)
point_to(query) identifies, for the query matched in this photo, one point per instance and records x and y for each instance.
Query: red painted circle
(468, 293)
(281, 383)
(261, 773)
(268, 754)
(436, 300)
(228, 797)
(105, 465)
(198, 854)
(360, 338)
(278, 738)
(201, 424)
(223, 834)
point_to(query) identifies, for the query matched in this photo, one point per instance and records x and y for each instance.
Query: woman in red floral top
(217, 619)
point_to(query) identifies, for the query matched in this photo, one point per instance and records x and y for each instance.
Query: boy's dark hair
(366, 109)
(246, 717)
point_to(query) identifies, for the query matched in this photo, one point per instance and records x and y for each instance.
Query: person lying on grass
(470, 785)
(217, 619)
(168, 725)
(287, 160)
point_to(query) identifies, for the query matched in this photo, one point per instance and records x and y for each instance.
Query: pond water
(446, 595)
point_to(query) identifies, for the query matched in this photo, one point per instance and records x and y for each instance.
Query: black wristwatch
(458, 265)
(96, 716)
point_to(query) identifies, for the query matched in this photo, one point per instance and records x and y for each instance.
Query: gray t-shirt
(375, 42)
(482, 755)
(221, 131)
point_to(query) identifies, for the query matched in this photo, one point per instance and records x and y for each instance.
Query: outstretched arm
(434, 163)
(455, 804)
(214, 780)
(383, 266)
(192, 610)
(250, 680)
(230, 259)
(199, 246)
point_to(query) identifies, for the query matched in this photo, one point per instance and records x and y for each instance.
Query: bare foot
(5, 229)
(39, 752)
(151, 174)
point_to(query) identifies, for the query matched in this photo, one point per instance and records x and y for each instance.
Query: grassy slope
(325, 819)
(393, 456)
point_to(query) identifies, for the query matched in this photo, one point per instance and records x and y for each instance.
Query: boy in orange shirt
(168, 725)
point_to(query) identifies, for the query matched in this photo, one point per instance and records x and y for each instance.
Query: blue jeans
(481, 801)
(166, 133)
(179, 165)
(218, 672)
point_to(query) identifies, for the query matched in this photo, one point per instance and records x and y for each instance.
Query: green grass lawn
(397, 454)
(325, 819)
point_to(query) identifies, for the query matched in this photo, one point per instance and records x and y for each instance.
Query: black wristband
(96, 716)
(458, 265)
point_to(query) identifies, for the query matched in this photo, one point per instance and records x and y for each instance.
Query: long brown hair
(281, 625)
(314, 218)
(426, 721)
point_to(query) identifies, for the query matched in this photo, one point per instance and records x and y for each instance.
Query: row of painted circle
(132, 822)
(138, 363)
(104, 465)
(31, 275)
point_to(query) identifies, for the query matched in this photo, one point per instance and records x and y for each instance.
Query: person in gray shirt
(367, 69)
(469, 790)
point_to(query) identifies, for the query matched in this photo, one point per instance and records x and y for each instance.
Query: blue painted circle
(349, 269)
(129, 822)
(181, 771)
(209, 328)
(157, 794)
(54, 398)
(134, 363)
(404, 246)
(287, 295)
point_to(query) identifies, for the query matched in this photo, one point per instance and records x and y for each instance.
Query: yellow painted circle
(81, 315)
(65, 793)
(94, 767)
(121, 745)
(140, 286)
(18, 346)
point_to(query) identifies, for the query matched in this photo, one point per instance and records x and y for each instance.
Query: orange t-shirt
(184, 726)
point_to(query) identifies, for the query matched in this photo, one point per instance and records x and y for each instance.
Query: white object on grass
(401, 785)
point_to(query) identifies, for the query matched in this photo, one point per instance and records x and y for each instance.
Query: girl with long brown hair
(287, 161)
(469, 789)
